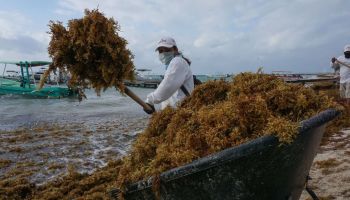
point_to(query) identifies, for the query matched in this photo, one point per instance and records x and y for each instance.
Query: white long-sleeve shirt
(344, 71)
(168, 91)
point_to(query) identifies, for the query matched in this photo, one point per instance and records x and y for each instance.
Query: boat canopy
(31, 63)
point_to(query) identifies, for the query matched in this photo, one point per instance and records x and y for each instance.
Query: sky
(219, 36)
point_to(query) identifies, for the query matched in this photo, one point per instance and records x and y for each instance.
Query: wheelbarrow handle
(137, 99)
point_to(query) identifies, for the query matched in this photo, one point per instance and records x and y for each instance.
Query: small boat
(12, 75)
(38, 74)
(260, 169)
(26, 84)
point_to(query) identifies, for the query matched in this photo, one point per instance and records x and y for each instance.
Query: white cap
(347, 48)
(166, 42)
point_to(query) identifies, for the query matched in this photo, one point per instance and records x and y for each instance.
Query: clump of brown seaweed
(217, 115)
(92, 51)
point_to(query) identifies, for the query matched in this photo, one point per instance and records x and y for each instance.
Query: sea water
(17, 111)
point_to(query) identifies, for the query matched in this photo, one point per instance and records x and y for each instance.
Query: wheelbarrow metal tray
(259, 169)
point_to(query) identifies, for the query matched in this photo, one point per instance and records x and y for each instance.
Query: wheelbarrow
(260, 169)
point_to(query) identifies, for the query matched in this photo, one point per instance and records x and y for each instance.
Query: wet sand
(330, 171)
(45, 151)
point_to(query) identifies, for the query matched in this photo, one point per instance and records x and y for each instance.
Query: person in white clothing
(344, 72)
(178, 79)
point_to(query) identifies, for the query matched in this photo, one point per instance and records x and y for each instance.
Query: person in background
(344, 73)
(178, 79)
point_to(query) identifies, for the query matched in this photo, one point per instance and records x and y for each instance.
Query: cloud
(18, 41)
(63, 12)
(221, 36)
(22, 44)
(11, 24)
(213, 40)
(298, 25)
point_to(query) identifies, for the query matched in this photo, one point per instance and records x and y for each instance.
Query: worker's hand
(333, 60)
(150, 111)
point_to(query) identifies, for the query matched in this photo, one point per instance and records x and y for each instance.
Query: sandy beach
(330, 171)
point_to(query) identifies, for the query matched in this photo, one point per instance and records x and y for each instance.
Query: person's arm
(173, 79)
(335, 65)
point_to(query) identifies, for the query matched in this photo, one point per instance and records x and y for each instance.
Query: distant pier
(143, 84)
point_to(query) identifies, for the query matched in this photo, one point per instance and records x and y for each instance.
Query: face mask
(166, 57)
(347, 54)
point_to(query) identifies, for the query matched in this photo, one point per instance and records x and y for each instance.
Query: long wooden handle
(137, 99)
(346, 65)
